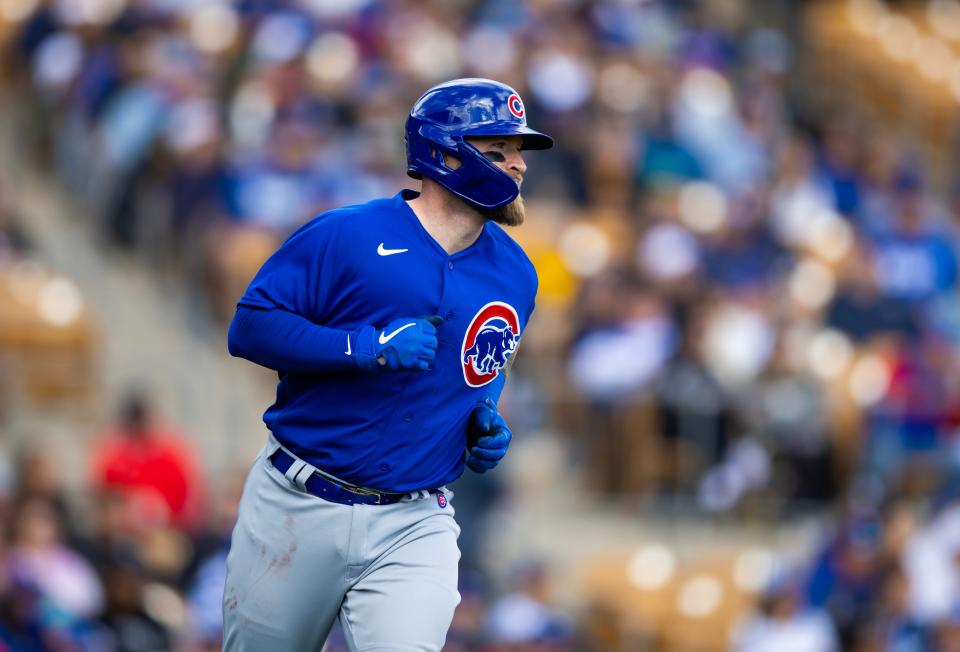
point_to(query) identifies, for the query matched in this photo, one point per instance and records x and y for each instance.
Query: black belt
(337, 492)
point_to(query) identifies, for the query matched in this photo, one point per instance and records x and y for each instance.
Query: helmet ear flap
(437, 135)
(441, 146)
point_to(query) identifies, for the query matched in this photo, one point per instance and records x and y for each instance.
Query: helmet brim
(531, 139)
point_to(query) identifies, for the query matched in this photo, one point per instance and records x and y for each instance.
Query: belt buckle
(363, 491)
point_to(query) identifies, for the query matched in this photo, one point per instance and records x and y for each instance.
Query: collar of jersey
(481, 242)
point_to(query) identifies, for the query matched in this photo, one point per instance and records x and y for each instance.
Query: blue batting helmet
(447, 114)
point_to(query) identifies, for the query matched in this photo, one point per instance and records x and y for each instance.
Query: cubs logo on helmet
(490, 340)
(515, 104)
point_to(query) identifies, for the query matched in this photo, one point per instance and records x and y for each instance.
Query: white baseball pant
(297, 562)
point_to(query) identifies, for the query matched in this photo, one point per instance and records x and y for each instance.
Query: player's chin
(510, 215)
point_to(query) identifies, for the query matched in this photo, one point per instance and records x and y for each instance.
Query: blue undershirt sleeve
(286, 342)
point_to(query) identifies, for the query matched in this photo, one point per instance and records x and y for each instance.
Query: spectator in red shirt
(154, 467)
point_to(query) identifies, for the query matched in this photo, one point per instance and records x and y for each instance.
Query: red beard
(510, 215)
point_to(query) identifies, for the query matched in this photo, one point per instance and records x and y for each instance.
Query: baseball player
(391, 325)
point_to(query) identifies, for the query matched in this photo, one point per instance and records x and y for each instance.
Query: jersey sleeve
(301, 275)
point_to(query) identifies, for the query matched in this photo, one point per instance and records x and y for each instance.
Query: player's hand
(488, 437)
(403, 345)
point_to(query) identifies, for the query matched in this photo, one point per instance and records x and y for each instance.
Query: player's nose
(515, 164)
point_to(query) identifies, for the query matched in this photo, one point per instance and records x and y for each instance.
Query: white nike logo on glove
(384, 338)
(348, 345)
(389, 252)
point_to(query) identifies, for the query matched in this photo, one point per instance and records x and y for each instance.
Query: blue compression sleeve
(286, 342)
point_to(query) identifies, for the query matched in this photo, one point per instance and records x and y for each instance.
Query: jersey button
(449, 264)
(408, 417)
(449, 315)
(384, 467)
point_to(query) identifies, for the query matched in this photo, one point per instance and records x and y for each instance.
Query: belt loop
(299, 471)
(303, 475)
(294, 472)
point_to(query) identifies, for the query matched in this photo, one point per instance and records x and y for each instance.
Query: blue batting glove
(403, 345)
(488, 437)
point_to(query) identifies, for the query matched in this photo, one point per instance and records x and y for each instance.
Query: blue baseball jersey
(369, 265)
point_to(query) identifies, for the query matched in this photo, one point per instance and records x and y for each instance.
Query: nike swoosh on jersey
(348, 345)
(389, 252)
(384, 338)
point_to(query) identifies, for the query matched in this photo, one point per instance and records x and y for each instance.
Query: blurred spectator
(861, 311)
(907, 430)
(625, 346)
(39, 557)
(662, 159)
(840, 162)
(930, 564)
(738, 259)
(155, 72)
(154, 467)
(111, 534)
(625, 337)
(524, 620)
(846, 575)
(199, 174)
(892, 624)
(132, 628)
(784, 624)
(706, 121)
(38, 477)
(789, 415)
(694, 415)
(28, 624)
(912, 258)
(279, 190)
(800, 191)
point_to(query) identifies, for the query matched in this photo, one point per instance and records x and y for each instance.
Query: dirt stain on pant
(284, 560)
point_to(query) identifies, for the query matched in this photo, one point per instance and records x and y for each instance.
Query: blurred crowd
(122, 568)
(744, 300)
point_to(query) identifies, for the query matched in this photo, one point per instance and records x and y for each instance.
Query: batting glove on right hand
(488, 437)
(404, 345)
